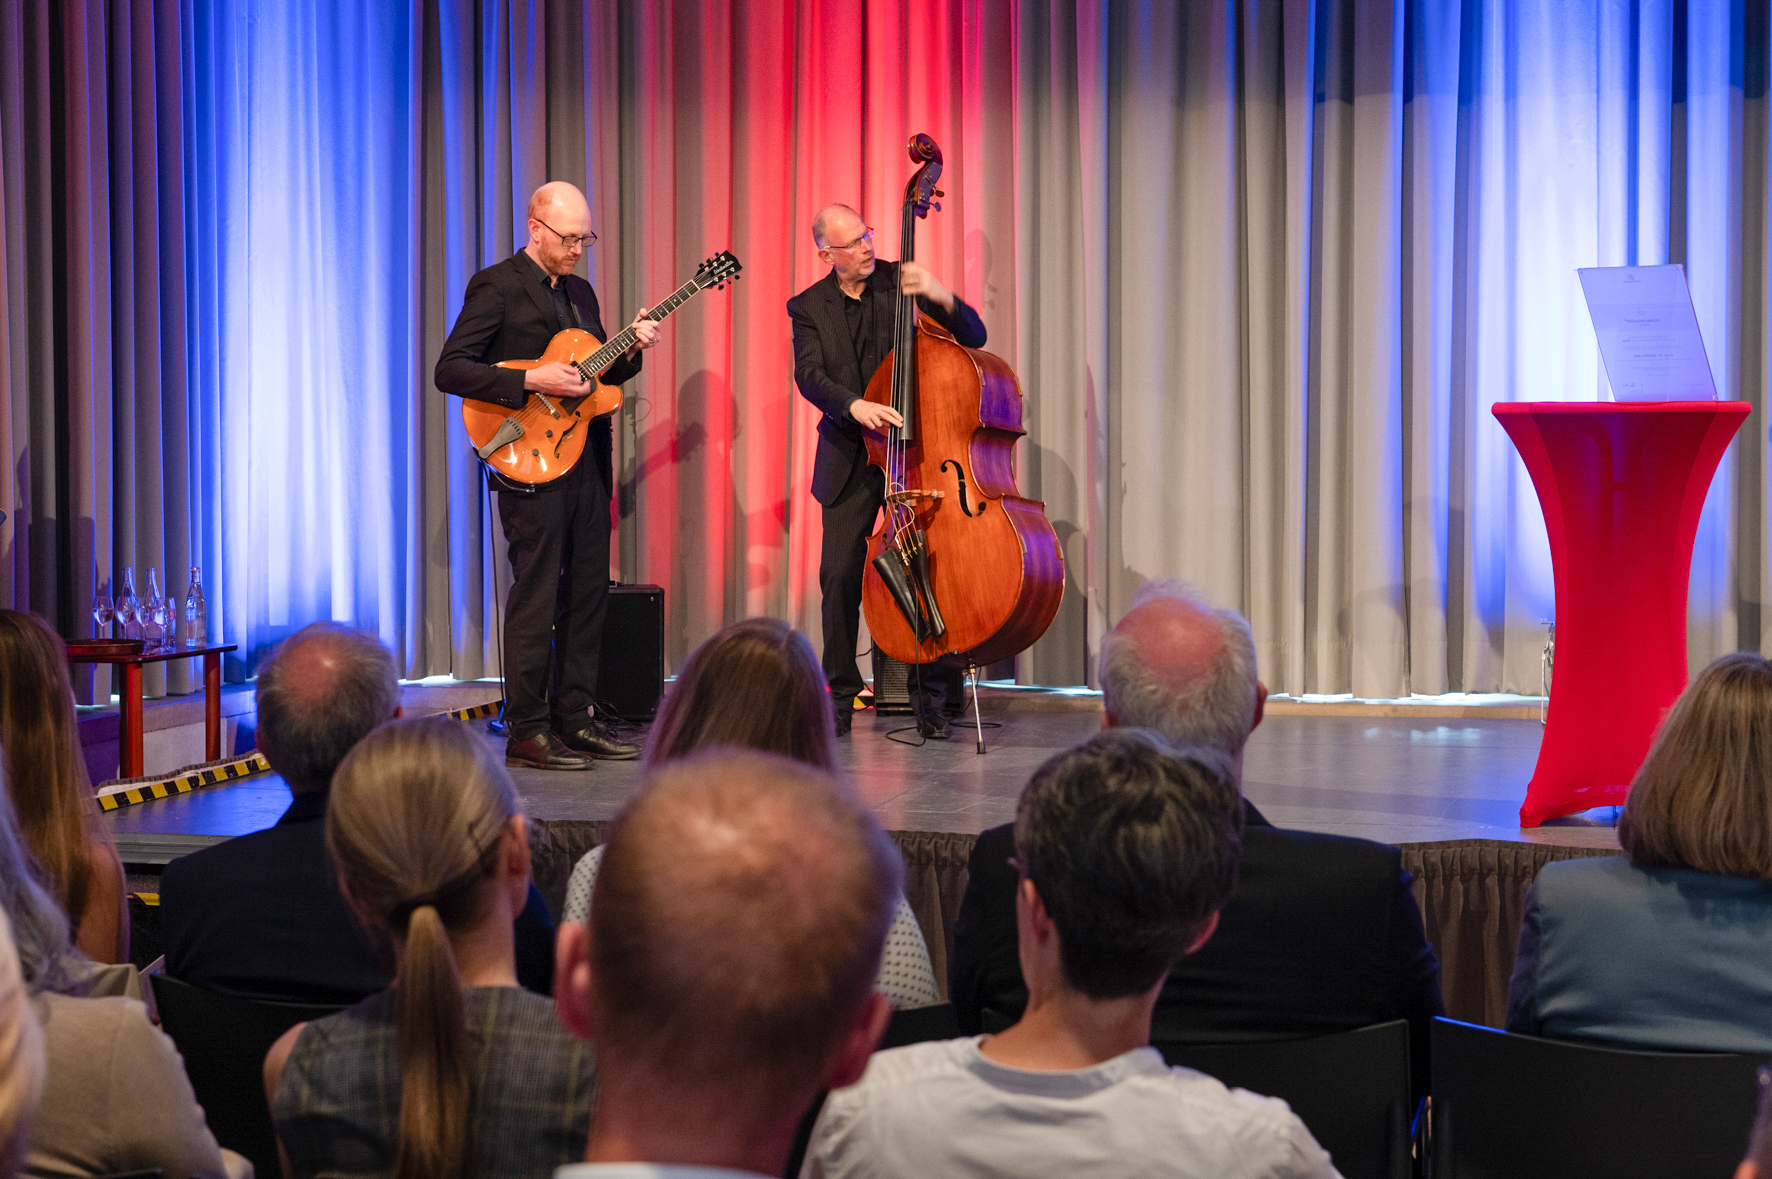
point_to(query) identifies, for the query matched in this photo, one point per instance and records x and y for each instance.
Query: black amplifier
(631, 677)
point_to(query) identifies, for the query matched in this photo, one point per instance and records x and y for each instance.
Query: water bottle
(154, 615)
(195, 631)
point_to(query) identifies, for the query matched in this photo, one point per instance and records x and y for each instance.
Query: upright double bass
(963, 569)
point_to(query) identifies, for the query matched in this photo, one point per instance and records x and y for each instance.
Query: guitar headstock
(717, 271)
(920, 192)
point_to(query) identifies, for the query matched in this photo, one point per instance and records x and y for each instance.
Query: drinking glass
(102, 613)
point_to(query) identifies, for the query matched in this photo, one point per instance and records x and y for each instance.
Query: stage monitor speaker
(631, 679)
(892, 685)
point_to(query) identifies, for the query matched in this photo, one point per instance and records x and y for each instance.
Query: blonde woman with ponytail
(455, 1071)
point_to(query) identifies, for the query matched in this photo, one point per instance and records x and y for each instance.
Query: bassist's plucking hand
(874, 416)
(555, 380)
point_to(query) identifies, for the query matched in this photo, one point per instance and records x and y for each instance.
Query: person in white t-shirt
(1126, 849)
(725, 972)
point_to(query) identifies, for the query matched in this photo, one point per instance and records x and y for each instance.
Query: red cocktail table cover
(1622, 485)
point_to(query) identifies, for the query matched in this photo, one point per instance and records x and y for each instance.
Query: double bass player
(842, 332)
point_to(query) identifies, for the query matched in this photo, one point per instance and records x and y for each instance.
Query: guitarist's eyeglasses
(571, 243)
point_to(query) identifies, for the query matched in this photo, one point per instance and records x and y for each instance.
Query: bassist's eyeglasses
(867, 236)
(571, 243)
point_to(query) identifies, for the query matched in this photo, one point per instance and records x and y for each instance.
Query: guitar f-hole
(965, 499)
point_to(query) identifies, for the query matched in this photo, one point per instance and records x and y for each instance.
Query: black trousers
(841, 558)
(558, 540)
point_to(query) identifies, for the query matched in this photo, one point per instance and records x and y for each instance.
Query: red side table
(1622, 485)
(129, 711)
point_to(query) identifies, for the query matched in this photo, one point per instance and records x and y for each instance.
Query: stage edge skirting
(1472, 894)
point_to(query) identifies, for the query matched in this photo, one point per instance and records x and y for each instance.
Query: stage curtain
(1262, 268)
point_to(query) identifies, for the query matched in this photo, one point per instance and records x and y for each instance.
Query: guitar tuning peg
(937, 205)
(938, 192)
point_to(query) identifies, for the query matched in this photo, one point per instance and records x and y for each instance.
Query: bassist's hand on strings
(918, 281)
(645, 331)
(873, 415)
(555, 380)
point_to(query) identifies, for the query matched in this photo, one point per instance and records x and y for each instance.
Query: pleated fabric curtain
(1262, 268)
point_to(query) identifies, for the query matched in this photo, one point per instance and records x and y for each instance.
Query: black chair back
(1351, 1089)
(1523, 1107)
(224, 1041)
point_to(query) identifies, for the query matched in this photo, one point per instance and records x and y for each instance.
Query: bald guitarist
(558, 532)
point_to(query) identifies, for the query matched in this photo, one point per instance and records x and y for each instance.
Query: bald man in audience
(260, 915)
(725, 972)
(1322, 933)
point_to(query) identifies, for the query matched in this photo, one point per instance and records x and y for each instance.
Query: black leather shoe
(933, 726)
(544, 751)
(598, 740)
(845, 718)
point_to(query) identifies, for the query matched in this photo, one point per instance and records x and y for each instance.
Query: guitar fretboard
(599, 361)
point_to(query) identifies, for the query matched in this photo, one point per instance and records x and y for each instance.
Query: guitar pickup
(508, 432)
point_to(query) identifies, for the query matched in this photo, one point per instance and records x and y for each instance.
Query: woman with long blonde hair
(51, 792)
(455, 1070)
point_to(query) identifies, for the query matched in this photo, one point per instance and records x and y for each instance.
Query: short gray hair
(1215, 711)
(306, 731)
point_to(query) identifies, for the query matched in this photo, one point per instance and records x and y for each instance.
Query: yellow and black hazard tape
(243, 766)
(227, 771)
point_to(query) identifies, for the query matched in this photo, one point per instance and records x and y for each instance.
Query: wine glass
(102, 613)
(159, 610)
(129, 607)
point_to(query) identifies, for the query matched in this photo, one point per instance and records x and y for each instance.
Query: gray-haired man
(1322, 933)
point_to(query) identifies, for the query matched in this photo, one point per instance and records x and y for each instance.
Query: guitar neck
(599, 361)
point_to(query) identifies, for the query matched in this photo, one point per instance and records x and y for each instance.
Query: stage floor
(1398, 779)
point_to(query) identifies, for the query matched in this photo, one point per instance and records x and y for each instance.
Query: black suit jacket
(1322, 934)
(507, 314)
(261, 916)
(826, 371)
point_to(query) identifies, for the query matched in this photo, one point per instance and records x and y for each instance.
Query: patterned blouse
(906, 977)
(337, 1108)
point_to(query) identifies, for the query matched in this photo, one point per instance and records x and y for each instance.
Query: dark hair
(737, 924)
(1132, 845)
(307, 724)
(755, 685)
(1703, 796)
(414, 824)
(45, 770)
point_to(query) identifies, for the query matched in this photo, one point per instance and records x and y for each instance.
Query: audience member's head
(21, 1058)
(726, 971)
(45, 769)
(319, 694)
(1176, 665)
(1131, 848)
(423, 825)
(40, 934)
(755, 685)
(1703, 797)
(1758, 1163)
